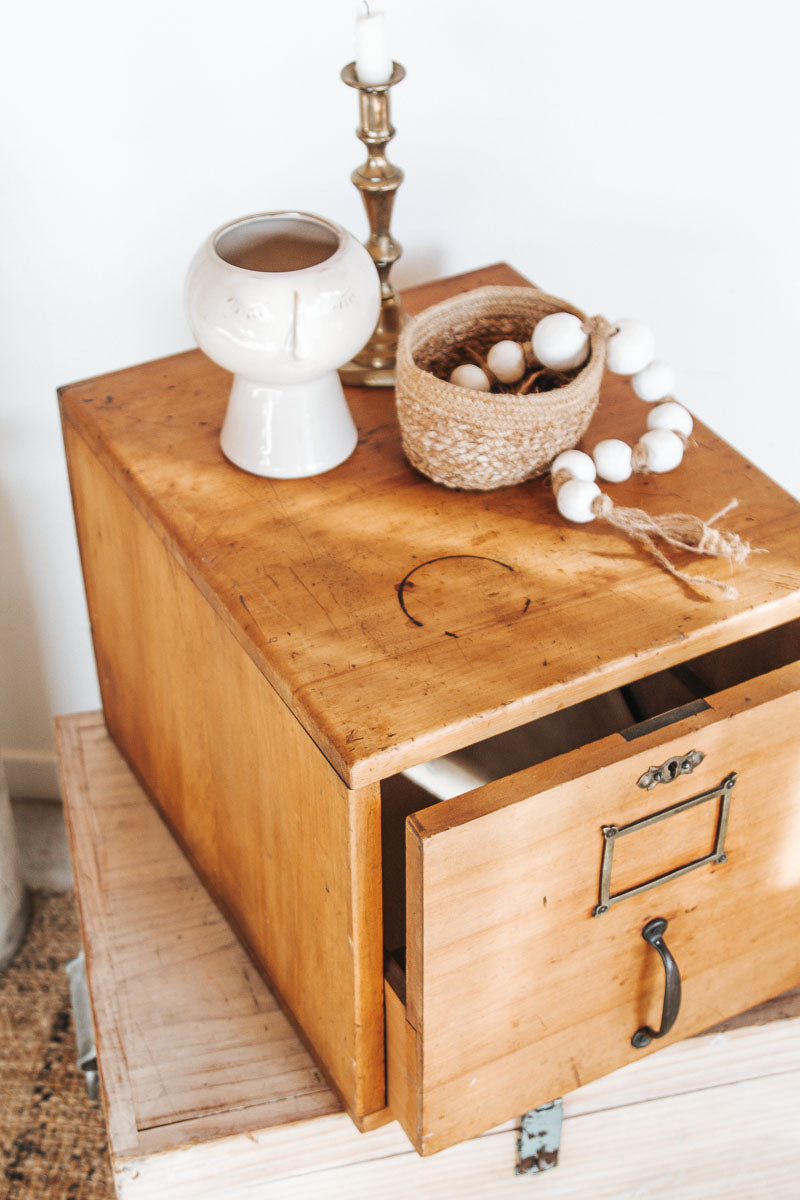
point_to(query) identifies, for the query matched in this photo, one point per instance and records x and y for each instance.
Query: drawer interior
(651, 702)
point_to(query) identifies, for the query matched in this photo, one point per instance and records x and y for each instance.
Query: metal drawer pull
(653, 933)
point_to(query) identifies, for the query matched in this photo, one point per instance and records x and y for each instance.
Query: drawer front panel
(516, 990)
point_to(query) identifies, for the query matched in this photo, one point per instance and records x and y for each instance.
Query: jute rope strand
(598, 326)
(682, 530)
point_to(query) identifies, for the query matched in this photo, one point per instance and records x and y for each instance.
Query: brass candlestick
(377, 180)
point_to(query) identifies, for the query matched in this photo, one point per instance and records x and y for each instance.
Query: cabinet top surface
(400, 620)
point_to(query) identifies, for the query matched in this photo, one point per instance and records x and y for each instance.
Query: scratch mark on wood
(307, 589)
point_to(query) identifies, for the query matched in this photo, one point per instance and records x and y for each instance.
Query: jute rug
(52, 1137)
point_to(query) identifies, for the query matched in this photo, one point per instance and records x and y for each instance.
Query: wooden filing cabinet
(207, 1091)
(272, 654)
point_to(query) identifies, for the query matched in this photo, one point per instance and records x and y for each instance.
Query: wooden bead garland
(654, 382)
(439, 425)
(576, 464)
(614, 460)
(560, 342)
(671, 415)
(660, 449)
(631, 347)
(575, 499)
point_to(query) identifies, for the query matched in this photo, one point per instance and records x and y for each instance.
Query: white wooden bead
(470, 375)
(631, 348)
(578, 464)
(664, 449)
(654, 382)
(612, 458)
(559, 342)
(506, 360)
(671, 415)
(574, 500)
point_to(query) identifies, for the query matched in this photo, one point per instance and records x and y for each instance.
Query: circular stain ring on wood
(407, 582)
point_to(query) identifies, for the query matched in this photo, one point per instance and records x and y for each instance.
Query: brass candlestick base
(377, 180)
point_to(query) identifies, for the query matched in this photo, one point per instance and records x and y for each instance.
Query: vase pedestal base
(290, 431)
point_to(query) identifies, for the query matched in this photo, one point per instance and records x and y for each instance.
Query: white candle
(373, 60)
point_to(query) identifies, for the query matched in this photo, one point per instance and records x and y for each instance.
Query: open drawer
(526, 972)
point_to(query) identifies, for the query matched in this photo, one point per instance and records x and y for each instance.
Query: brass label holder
(612, 834)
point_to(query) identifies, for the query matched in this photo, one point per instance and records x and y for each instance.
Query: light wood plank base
(208, 1092)
(737, 1140)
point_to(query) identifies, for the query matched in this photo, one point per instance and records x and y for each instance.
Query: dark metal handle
(653, 933)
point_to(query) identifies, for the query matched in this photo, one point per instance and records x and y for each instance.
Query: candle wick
(366, 8)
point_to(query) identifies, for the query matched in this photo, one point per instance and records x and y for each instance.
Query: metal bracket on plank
(86, 1056)
(540, 1139)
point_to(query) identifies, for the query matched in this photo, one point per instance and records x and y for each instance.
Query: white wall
(638, 159)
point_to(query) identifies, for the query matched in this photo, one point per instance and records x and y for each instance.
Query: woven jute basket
(479, 440)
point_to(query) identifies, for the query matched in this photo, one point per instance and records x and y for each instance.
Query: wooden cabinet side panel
(292, 854)
(191, 1043)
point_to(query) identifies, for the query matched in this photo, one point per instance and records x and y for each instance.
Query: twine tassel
(681, 530)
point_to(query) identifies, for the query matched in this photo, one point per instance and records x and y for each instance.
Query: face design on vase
(261, 317)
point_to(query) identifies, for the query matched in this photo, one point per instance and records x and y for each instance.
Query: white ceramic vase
(282, 300)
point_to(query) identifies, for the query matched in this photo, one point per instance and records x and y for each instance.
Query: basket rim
(477, 404)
